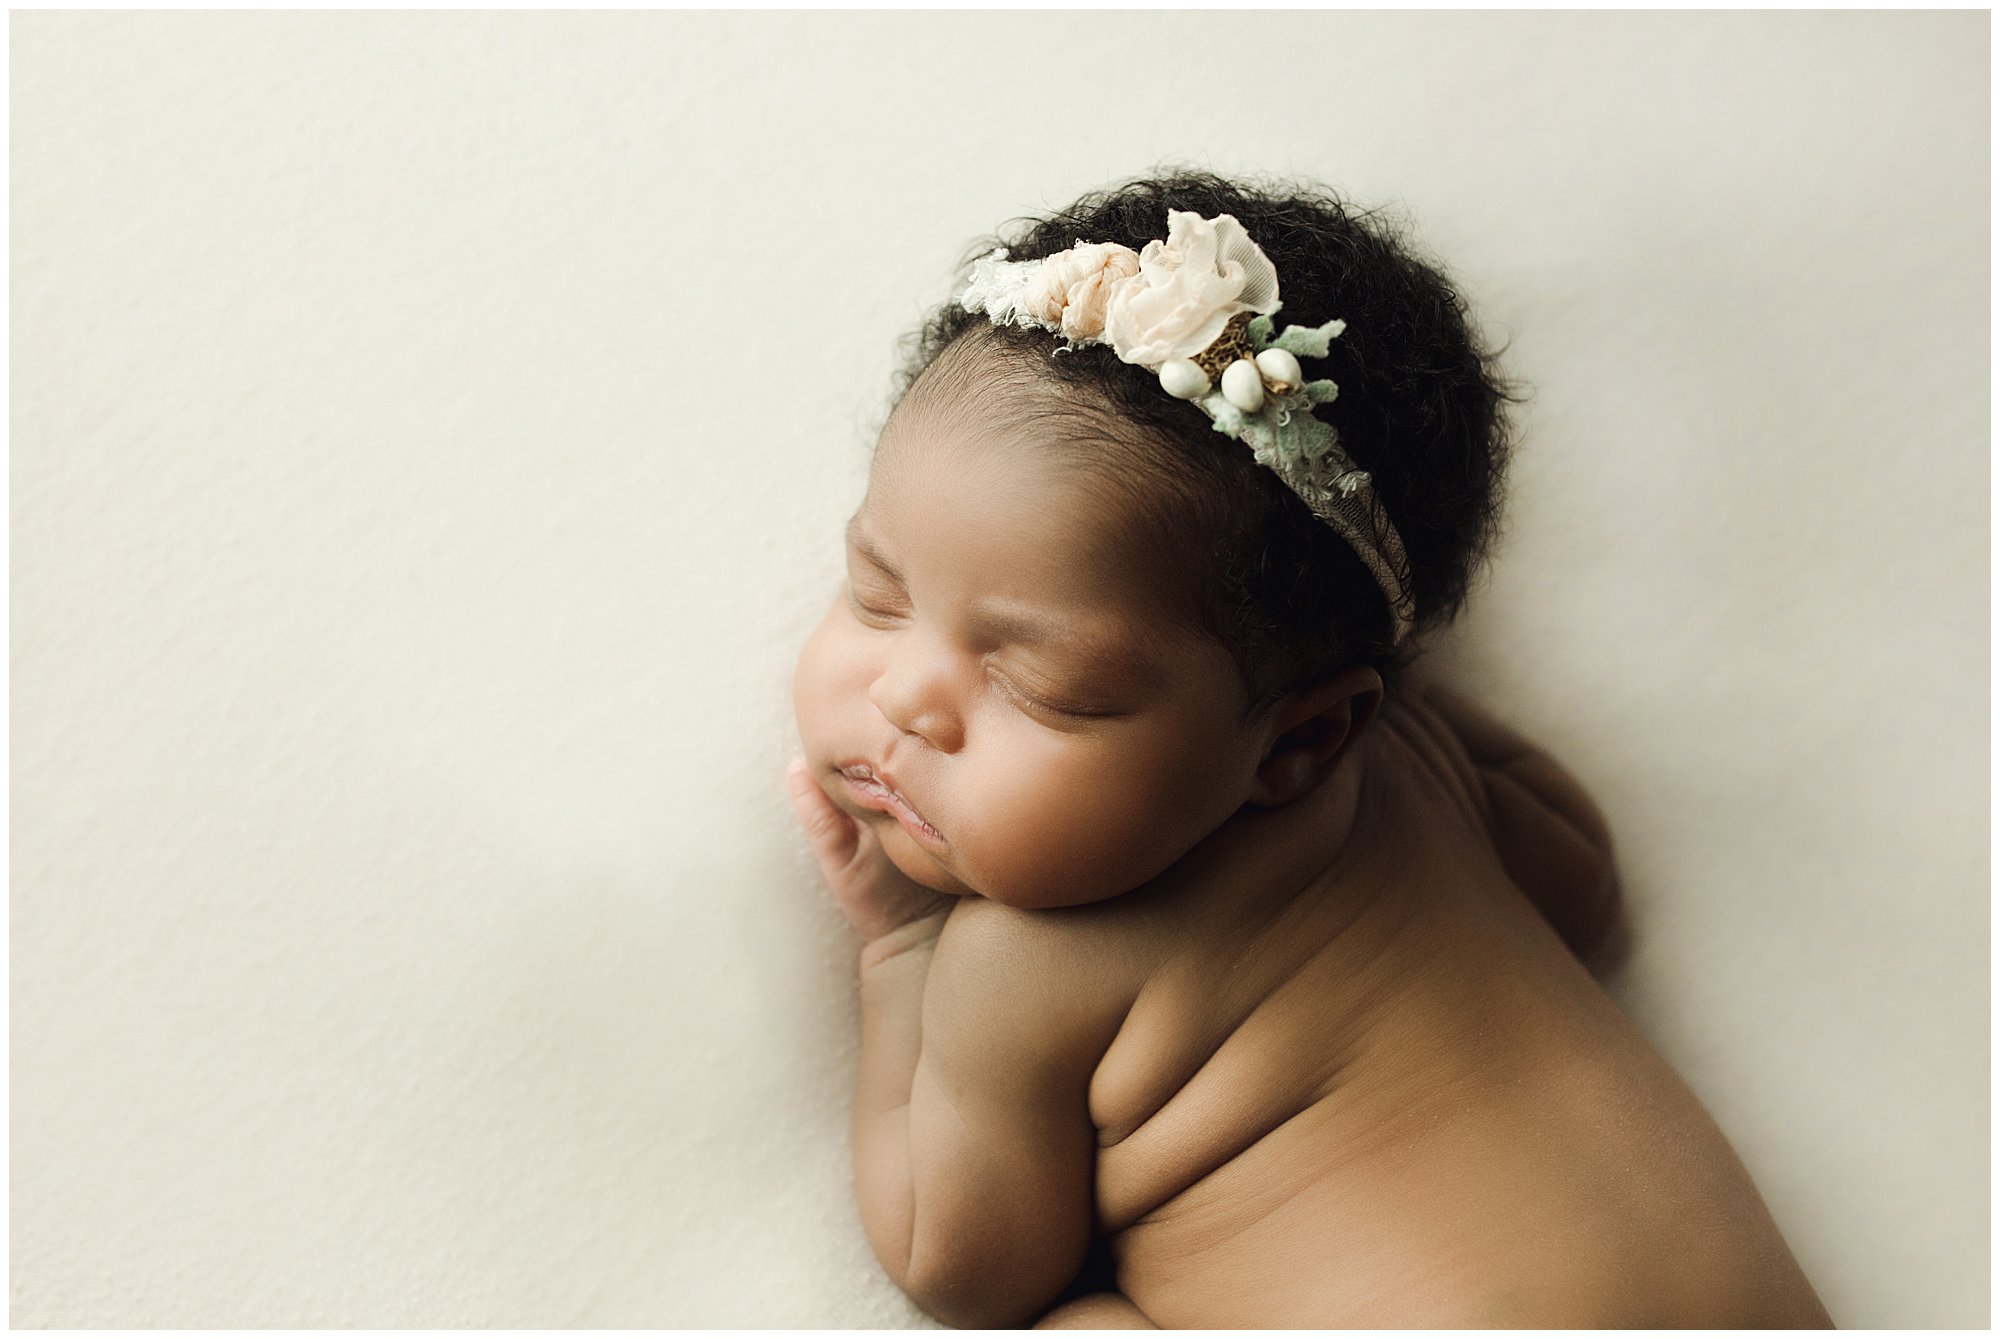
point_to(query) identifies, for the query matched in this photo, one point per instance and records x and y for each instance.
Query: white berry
(1242, 386)
(1183, 379)
(1281, 370)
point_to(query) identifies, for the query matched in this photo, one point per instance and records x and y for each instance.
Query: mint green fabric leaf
(1228, 418)
(1315, 438)
(1308, 342)
(1301, 437)
(1260, 333)
(1283, 432)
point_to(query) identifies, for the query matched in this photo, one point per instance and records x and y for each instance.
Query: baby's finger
(833, 834)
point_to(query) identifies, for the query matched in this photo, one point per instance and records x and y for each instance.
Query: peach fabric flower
(1206, 271)
(1072, 287)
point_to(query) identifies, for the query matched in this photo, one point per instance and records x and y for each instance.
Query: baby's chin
(917, 864)
(947, 873)
(1028, 896)
(923, 868)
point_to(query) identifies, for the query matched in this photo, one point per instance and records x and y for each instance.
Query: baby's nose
(918, 702)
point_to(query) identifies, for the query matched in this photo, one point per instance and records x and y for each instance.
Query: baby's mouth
(863, 779)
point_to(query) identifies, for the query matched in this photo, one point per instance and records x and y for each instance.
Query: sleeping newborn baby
(1200, 939)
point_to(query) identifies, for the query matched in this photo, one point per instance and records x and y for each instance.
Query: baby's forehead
(1005, 572)
(1039, 471)
(1016, 503)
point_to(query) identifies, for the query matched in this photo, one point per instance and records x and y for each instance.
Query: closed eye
(862, 607)
(1045, 704)
(870, 616)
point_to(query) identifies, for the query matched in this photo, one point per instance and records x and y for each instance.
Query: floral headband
(1196, 309)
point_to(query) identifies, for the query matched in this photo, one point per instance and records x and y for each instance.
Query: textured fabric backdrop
(430, 438)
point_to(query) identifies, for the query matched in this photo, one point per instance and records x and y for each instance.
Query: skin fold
(1281, 1020)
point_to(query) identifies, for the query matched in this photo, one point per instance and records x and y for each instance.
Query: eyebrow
(860, 540)
(1029, 629)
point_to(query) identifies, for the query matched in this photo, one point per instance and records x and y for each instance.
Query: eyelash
(1040, 704)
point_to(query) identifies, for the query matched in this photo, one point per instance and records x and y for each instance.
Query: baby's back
(1370, 1087)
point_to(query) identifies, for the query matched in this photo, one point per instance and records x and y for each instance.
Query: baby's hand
(876, 897)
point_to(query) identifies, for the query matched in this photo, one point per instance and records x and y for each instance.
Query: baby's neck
(1262, 857)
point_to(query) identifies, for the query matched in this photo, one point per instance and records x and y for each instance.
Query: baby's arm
(978, 1169)
(974, 1151)
(1551, 837)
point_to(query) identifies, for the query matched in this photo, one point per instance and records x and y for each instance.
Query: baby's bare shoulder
(1546, 829)
(1029, 938)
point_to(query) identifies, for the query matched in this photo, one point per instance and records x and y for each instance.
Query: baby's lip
(860, 769)
(867, 771)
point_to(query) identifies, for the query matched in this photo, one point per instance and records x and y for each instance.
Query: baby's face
(1012, 672)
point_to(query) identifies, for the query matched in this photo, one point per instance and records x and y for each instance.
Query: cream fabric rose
(1073, 286)
(1206, 271)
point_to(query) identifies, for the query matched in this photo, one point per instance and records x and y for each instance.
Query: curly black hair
(1421, 407)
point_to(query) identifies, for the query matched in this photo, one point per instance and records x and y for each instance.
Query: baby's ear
(1309, 730)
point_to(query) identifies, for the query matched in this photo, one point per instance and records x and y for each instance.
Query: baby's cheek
(1137, 831)
(1066, 843)
(815, 679)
